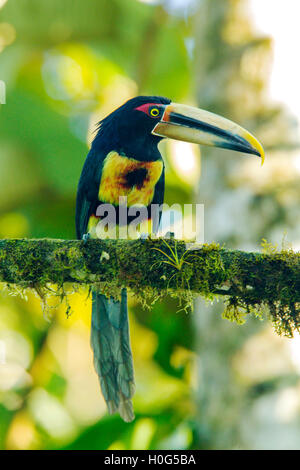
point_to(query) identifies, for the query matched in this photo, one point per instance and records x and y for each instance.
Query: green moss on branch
(154, 268)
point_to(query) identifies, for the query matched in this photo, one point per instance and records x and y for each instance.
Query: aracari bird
(124, 160)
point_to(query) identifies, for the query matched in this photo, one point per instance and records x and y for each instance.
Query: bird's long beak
(194, 125)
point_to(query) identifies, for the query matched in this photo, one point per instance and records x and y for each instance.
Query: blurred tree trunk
(223, 36)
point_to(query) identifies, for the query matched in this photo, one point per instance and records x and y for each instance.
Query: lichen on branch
(153, 268)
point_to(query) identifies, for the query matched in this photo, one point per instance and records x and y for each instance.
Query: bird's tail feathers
(112, 353)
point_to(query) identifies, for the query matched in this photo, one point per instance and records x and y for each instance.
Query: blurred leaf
(32, 125)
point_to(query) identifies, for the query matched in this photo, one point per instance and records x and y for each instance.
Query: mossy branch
(155, 267)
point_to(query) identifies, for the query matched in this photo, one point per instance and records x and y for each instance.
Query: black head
(129, 127)
(138, 126)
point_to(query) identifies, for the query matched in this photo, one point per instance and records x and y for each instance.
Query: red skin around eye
(145, 107)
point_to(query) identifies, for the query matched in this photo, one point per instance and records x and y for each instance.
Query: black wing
(158, 198)
(87, 192)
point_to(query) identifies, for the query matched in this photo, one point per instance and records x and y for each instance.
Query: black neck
(133, 144)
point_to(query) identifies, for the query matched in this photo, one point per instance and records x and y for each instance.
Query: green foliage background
(201, 381)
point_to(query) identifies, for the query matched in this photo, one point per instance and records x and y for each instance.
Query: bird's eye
(154, 112)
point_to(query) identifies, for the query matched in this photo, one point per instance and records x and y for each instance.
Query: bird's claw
(169, 235)
(86, 237)
(144, 236)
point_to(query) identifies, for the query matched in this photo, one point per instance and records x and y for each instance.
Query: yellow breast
(114, 180)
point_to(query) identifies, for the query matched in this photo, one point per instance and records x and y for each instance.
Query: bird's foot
(144, 236)
(147, 236)
(168, 235)
(86, 237)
